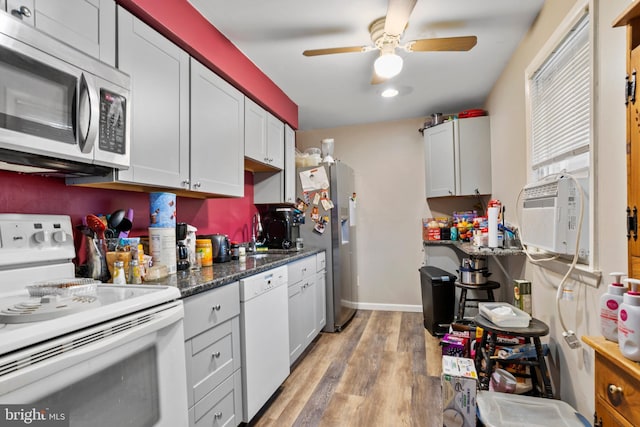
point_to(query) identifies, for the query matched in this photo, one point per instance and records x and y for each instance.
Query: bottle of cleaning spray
(629, 322)
(609, 304)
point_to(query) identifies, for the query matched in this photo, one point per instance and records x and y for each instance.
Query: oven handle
(88, 114)
(16, 380)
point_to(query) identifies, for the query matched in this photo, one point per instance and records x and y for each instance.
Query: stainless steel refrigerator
(332, 226)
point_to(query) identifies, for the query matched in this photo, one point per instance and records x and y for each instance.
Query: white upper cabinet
(458, 158)
(217, 134)
(278, 187)
(87, 25)
(264, 136)
(159, 73)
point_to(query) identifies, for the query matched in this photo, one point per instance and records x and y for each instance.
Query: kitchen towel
(162, 210)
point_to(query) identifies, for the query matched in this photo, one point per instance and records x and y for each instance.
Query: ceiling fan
(386, 33)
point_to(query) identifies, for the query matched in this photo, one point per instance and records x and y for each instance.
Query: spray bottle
(629, 322)
(609, 304)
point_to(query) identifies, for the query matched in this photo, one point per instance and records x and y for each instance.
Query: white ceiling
(335, 90)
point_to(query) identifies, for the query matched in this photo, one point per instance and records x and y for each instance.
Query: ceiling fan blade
(397, 17)
(443, 44)
(330, 51)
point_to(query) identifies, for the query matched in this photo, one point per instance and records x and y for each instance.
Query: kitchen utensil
(96, 225)
(116, 218)
(126, 224)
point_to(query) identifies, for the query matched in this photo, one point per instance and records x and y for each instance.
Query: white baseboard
(390, 307)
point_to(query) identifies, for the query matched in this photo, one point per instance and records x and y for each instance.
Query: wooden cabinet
(87, 25)
(212, 349)
(187, 124)
(307, 313)
(278, 187)
(458, 158)
(617, 385)
(217, 134)
(631, 19)
(264, 136)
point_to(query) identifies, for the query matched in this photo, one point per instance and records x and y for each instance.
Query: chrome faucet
(256, 230)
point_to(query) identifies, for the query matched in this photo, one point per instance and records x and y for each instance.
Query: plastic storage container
(438, 299)
(512, 410)
(504, 315)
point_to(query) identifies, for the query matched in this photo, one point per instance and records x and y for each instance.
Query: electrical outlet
(571, 339)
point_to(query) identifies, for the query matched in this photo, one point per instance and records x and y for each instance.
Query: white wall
(388, 160)
(572, 369)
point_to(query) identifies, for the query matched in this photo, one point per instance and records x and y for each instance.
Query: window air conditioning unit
(550, 215)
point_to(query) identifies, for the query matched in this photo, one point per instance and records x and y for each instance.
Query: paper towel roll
(162, 210)
(492, 220)
(162, 245)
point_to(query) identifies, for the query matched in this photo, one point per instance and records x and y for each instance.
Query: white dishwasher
(264, 335)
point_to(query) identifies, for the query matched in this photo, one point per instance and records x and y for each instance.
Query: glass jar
(134, 272)
(119, 277)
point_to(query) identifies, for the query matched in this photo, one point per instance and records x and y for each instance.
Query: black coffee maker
(280, 227)
(182, 251)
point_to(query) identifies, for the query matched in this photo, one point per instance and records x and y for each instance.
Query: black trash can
(438, 299)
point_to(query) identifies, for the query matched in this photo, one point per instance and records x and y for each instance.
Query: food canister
(204, 247)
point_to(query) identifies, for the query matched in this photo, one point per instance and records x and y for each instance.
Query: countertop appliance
(114, 355)
(62, 112)
(337, 237)
(264, 326)
(220, 247)
(280, 227)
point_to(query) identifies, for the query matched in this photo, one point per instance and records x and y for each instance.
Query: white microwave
(62, 112)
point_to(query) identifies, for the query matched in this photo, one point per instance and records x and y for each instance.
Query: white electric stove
(57, 350)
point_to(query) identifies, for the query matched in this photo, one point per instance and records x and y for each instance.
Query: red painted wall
(32, 194)
(180, 22)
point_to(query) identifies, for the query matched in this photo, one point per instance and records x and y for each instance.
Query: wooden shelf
(630, 13)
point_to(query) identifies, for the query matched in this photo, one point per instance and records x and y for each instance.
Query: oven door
(129, 371)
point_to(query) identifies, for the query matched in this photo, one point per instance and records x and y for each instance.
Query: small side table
(534, 331)
(486, 287)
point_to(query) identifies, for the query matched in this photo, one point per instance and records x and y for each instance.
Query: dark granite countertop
(468, 248)
(193, 282)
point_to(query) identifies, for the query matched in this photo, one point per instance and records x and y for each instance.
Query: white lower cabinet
(212, 349)
(321, 291)
(307, 311)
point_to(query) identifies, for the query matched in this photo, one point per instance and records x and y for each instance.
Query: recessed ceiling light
(389, 93)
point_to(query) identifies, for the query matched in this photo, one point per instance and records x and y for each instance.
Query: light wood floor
(383, 369)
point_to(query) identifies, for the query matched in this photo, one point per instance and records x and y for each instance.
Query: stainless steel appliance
(112, 355)
(62, 112)
(337, 236)
(264, 337)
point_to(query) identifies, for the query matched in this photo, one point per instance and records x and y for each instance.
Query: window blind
(560, 99)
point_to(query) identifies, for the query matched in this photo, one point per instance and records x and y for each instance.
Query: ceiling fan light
(389, 93)
(388, 65)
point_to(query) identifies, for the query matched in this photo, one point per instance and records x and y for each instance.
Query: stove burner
(46, 308)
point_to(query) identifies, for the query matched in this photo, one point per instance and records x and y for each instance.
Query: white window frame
(574, 165)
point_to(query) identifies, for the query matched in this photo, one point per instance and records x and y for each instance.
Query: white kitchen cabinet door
(308, 320)
(159, 73)
(320, 300)
(458, 158)
(264, 136)
(296, 334)
(87, 25)
(275, 141)
(217, 134)
(289, 165)
(278, 187)
(440, 178)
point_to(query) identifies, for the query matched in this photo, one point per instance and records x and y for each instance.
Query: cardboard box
(455, 345)
(459, 383)
(522, 295)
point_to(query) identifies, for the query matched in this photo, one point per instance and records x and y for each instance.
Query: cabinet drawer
(212, 356)
(626, 401)
(206, 310)
(321, 261)
(298, 270)
(218, 408)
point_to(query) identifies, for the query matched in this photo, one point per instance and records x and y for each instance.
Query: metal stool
(534, 331)
(462, 303)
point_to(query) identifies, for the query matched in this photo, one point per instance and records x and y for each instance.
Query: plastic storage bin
(438, 299)
(512, 410)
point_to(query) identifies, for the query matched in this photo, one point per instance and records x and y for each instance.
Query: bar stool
(534, 331)
(462, 303)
